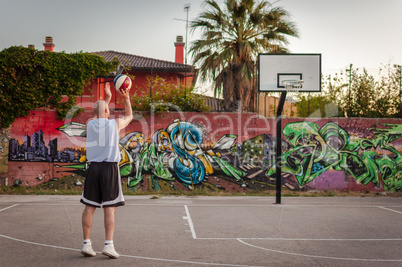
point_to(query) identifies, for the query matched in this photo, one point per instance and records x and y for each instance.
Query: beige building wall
(268, 104)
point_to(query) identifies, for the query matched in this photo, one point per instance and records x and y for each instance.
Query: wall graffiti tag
(315, 150)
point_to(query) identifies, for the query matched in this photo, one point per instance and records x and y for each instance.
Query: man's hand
(108, 93)
(125, 93)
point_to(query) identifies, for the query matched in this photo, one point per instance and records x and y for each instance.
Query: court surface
(207, 231)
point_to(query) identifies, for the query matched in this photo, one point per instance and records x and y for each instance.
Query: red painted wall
(367, 159)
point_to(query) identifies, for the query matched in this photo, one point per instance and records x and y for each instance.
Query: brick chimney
(49, 45)
(179, 44)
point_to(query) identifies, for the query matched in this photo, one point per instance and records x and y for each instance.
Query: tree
(363, 95)
(315, 105)
(360, 94)
(231, 39)
(31, 79)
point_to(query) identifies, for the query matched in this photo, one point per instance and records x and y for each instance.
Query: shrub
(159, 95)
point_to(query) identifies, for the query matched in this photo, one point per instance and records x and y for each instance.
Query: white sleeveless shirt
(103, 141)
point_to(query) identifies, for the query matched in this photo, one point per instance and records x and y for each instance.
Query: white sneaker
(87, 250)
(109, 251)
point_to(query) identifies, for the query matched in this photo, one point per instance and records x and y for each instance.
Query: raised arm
(128, 116)
(108, 93)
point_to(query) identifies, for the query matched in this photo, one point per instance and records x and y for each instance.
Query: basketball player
(103, 183)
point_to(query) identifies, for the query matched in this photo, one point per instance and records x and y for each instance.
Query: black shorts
(102, 186)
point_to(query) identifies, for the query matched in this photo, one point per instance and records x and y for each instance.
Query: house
(141, 68)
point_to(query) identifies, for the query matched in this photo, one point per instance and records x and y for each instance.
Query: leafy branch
(31, 79)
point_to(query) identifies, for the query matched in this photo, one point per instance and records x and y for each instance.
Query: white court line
(389, 209)
(9, 207)
(37, 244)
(315, 256)
(268, 205)
(130, 256)
(190, 222)
(218, 205)
(299, 239)
(191, 262)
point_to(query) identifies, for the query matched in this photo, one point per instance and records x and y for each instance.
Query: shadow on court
(207, 231)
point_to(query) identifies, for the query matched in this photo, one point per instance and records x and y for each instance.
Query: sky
(365, 33)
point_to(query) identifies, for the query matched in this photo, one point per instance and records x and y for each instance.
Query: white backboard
(274, 68)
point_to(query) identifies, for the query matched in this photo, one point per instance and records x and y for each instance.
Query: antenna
(186, 8)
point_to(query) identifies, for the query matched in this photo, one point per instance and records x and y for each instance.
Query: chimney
(179, 49)
(31, 46)
(49, 45)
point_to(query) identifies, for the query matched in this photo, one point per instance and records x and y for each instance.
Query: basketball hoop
(293, 86)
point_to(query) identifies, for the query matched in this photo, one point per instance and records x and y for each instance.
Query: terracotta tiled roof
(138, 63)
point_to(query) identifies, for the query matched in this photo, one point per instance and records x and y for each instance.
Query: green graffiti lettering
(315, 150)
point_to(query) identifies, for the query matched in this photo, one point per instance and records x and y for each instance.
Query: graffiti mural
(217, 152)
(315, 150)
(175, 153)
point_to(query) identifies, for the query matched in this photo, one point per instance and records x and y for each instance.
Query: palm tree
(231, 39)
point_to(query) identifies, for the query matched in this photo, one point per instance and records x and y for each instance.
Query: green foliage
(68, 109)
(314, 105)
(159, 95)
(356, 94)
(359, 94)
(31, 79)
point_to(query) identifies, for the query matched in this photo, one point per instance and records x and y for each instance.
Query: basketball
(122, 82)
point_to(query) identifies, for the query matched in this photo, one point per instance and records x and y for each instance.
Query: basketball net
(292, 88)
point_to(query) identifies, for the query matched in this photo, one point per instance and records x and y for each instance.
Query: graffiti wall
(215, 151)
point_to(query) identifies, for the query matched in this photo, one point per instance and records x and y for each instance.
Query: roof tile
(140, 63)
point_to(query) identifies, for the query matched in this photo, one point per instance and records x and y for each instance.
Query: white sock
(107, 242)
(86, 241)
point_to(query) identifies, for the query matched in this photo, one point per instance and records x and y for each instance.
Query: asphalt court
(207, 231)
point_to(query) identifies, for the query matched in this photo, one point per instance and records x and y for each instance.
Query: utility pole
(350, 86)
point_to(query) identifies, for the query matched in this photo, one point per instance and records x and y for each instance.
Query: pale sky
(366, 33)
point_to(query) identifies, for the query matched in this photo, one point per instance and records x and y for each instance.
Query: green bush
(159, 95)
(31, 79)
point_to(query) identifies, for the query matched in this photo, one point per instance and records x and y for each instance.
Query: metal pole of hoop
(290, 86)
